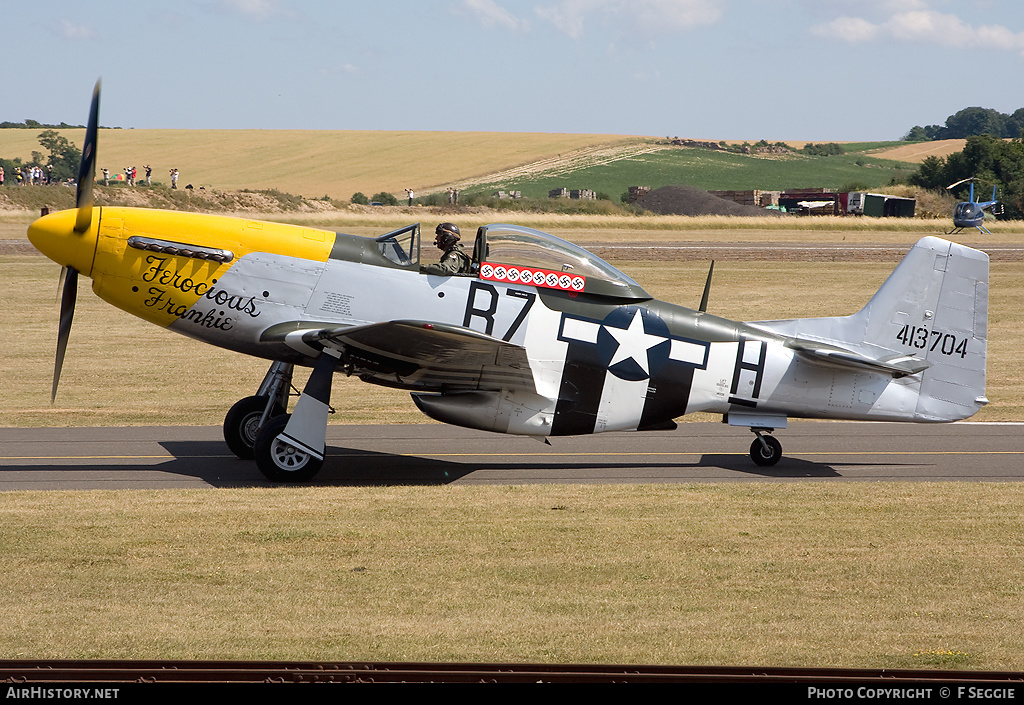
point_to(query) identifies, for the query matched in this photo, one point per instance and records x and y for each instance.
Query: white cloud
(921, 26)
(1000, 37)
(646, 16)
(949, 29)
(568, 16)
(490, 14)
(926, 26)
(849, 29)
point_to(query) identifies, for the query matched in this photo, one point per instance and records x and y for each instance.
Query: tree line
(36, 125)
(971, 122)
(991, 162)
(61, 163)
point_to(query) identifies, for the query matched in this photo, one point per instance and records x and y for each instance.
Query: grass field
(340, 163)
(818, 574)
(881, 575)
(711, 170)
(315, 163)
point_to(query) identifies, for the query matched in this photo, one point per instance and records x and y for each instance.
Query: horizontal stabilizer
(897, 366)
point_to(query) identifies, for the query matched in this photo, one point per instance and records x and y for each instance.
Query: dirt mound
(689, 200)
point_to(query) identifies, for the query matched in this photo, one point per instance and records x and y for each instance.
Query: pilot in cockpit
(454, 260)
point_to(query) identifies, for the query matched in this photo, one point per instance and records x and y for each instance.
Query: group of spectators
(37, 175)
(131, 173)
(34, 175)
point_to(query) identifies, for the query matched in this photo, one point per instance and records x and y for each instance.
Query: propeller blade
(68, 297)
(60, 281)
(87, 169)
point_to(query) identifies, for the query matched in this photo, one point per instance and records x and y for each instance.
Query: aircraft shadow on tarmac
(211, 463)
(207, 461)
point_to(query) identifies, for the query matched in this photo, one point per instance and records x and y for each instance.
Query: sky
(819, 70)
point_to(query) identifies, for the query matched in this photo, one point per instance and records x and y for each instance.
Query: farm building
(572, 193)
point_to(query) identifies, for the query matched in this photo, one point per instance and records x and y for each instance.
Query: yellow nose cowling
(54, 235)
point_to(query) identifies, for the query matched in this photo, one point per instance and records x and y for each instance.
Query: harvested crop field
(918, 151)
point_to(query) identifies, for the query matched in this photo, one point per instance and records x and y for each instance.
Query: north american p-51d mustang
(541, 338)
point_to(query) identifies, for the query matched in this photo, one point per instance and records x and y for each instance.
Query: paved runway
(180, 457)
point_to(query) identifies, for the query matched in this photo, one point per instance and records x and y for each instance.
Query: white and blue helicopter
(971, 213)
(540, 338)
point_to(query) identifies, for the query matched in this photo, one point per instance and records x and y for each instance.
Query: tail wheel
(280, 461)
(766, 450)
(242, 423)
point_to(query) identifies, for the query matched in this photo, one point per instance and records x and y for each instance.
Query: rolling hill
(337, 164)
(318, 163)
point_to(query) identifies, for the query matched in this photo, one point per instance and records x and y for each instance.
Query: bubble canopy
(510, 254)
(526, 248)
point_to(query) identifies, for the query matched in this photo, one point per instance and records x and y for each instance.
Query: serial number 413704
(921, 338)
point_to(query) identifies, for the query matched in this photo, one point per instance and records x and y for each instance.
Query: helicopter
(971, 213)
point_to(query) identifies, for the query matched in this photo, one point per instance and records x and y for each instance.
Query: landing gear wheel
(766, 456)
(242, 423)
(280, 461)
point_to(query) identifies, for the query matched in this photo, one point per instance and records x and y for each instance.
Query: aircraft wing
(420, 354)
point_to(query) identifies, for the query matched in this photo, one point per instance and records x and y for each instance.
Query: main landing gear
(286, 447)
(766, 450)
(282, 461)
(245, 419)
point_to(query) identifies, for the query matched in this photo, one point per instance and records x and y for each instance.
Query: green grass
(713, 170)
(868, 147)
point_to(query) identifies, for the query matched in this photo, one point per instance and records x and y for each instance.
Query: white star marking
(634, 342)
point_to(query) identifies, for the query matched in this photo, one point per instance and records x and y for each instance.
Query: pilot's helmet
(447, 234)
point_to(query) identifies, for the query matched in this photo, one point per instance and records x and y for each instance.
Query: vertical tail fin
(928, 323)
(938, 311)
